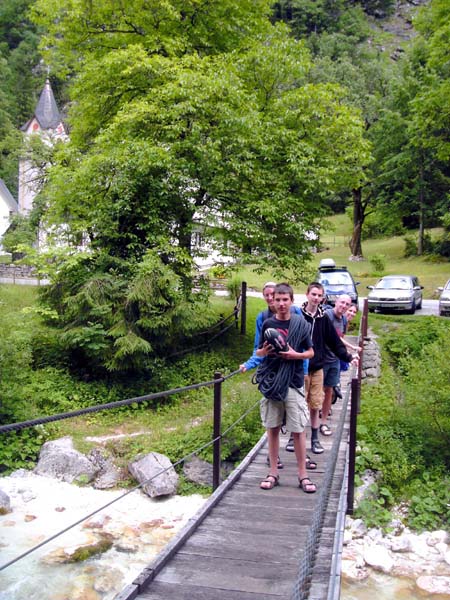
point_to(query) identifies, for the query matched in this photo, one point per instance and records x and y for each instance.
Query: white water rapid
(137, 526)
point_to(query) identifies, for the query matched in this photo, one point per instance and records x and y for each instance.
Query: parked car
(336, 281)
(444, 299)
(396, 292)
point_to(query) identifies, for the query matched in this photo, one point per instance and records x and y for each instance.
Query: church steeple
(48, 124)
(46, 115)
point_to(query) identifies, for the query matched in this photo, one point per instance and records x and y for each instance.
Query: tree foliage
(414, 173)
(182, 120)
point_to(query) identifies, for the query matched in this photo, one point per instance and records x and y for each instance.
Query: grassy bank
(174, 425)
(431, 273)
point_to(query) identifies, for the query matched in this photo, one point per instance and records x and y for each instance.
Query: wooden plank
(228, 574)
(164, 591)
(265, 546)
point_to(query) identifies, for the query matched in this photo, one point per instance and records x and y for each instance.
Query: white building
(8, 208)
(47, 123)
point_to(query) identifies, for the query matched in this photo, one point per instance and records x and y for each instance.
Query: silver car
(397, 293)
(444, 299)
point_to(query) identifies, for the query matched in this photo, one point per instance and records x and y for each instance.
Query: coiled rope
(274, 375)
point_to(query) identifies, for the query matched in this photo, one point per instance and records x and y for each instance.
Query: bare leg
(273, 438)
(328, 396)
(300, 453)
(314, 417)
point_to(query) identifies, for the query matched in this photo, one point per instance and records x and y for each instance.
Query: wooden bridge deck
(246, 542)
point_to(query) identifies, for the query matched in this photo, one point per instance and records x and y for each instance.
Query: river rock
(420, 547)
(437, 537)
(5, 503)
(434, 584)
(86, 548)
(358, 528)
(352, 572)
(60, 460)
(107, 581)
(108, 476)
(406, 566)
(447, 556)
(156, 473)
(198, 471)
(400, 543)
(442, 548)
(379, 558)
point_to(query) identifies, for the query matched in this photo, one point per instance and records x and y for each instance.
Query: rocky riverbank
(120, 541)
(421, 558)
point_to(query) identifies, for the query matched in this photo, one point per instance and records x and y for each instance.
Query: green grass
(175, 426)
(431, 273)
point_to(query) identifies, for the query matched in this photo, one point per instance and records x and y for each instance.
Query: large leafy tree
(21, 74)
(366, 76)
(414, 179)
(198, 117)
(345, 53)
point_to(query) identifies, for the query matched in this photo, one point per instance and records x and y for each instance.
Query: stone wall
(371, 362)
(16, 271)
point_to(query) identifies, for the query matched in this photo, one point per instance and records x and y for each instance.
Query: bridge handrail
(215, 441)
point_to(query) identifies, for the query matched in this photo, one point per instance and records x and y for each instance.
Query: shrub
(20, 449)
(234, 287)
(220, 271)
(429, 507)
(378, 263)
(411, 245)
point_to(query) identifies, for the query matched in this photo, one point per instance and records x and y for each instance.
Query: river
(383, 587)
(138, 525)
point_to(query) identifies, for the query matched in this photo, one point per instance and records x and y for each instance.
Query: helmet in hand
(276, 339)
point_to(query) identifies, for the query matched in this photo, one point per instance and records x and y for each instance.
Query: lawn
(431, 272)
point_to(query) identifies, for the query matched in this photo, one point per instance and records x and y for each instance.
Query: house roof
(6, 195)
(47, 112)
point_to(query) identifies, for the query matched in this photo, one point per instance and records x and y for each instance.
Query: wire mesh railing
(301, 588)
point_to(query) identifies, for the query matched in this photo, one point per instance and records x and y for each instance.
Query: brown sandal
(271, 480)
(311, 465)
(306, 483)
(279, 463)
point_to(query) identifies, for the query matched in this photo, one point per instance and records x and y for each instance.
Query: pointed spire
(47, 112)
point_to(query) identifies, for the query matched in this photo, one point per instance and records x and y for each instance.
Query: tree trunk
(358, 220)
(420, 242)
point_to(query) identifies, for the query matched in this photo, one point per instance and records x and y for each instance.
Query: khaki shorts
(314, 389)
(297, 414)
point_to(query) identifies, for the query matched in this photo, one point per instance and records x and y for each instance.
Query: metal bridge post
(243, 308)
(217, 429)
(361, 341)
(354, 403)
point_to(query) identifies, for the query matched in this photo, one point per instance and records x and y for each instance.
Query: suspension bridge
(245, 542)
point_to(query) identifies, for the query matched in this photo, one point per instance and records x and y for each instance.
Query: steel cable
(137, 487)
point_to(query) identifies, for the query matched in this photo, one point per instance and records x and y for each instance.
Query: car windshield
(447, 285)
(397, 283)
(339, 278)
